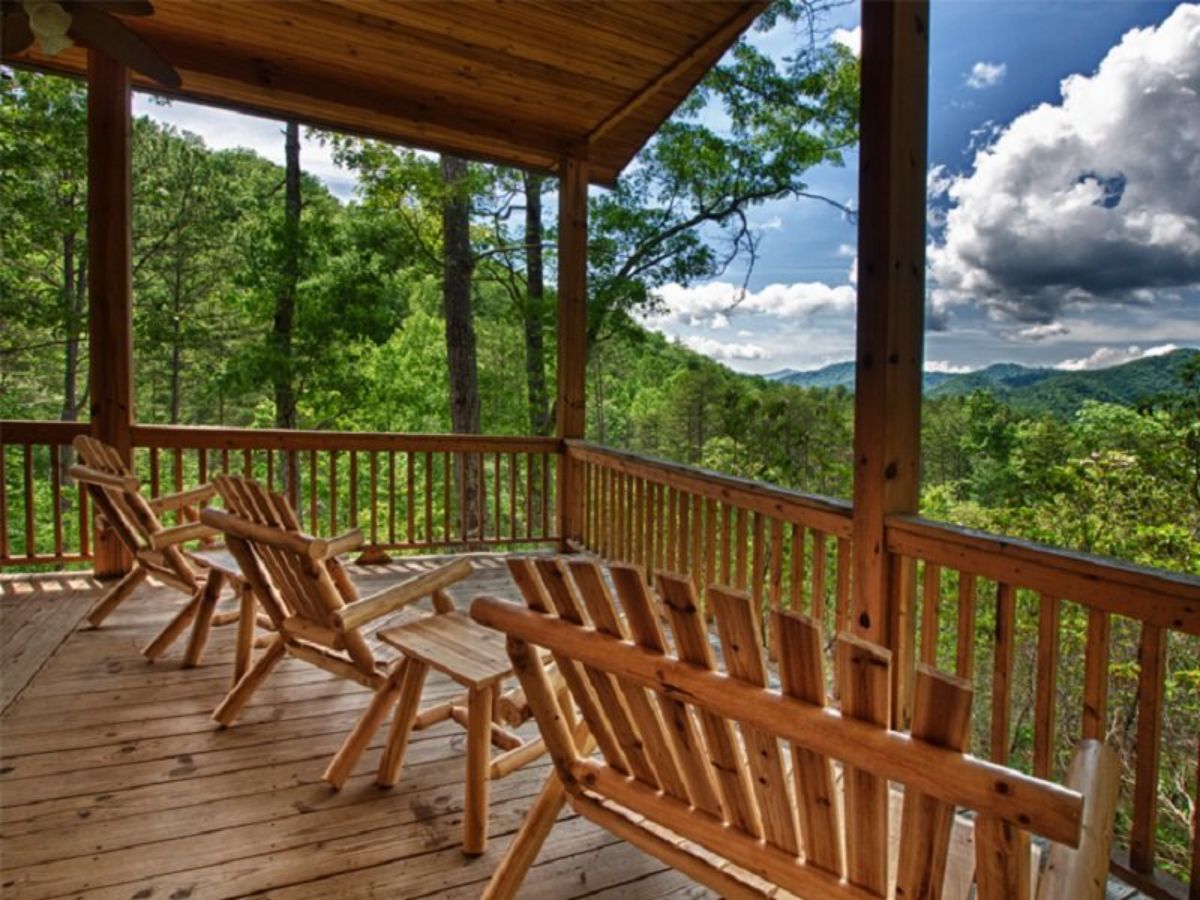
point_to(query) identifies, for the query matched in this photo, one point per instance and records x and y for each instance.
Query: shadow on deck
(114, 783)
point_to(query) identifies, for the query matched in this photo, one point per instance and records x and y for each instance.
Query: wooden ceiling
(520, 82)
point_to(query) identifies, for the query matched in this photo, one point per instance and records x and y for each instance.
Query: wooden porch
(114, 782)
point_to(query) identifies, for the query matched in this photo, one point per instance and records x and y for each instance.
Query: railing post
(891, 305)
(110, 238)
(572, 338)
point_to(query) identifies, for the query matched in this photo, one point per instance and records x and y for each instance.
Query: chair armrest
(393, 598)
(325, 548)
(1082, 872)
(88, 475)
(189, 531)
(190, 497)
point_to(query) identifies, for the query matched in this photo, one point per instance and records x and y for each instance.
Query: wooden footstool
(476, 658)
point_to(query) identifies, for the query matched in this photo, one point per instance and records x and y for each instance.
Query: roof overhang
(517, 82)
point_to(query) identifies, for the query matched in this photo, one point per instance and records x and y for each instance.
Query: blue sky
(1064, 228)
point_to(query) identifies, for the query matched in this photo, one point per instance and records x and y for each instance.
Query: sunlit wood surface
(114, 783)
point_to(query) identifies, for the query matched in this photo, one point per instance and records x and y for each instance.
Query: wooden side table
(474, 657)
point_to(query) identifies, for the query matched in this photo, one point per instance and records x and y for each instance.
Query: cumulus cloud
(948, 368)
(850, 38)
(703, 303)
(1106, 357)
(722, 349)
(1093, 200)
(985, 75)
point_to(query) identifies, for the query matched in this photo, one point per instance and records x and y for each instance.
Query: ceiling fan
(93, 23)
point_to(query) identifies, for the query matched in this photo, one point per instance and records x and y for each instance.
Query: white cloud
(775, 223)
(948, 368)
(718, 321)
(1093, 200)
(850, 38)
(1106, 357)
(701, 304)
(847, 250)
(985, 75)
(723, 350)
(1041, 332)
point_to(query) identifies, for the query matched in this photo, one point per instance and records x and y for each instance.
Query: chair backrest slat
(691, 643)
(682, 732)
(529, 581)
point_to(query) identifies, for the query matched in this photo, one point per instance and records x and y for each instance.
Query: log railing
(786, 548)
(406, 492)
(1059, 646)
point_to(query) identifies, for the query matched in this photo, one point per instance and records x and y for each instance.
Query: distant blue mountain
(1029, 388)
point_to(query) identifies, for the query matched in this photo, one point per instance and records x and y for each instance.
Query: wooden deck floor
(114, 783)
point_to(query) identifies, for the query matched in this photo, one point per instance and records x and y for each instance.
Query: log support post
(110, 293)
(572, 338)
(891, 314)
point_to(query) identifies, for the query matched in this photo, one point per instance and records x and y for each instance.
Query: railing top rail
(1168, 599)
(34, 431)
(222, 438)
(823, 513)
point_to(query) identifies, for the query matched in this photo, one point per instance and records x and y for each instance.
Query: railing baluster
(1095, 676)
(429, 497)
(726, 544)
(154, 488)
(85, 547)
(247, 464)
(710, 542)
(931, 599)
(513, 465)
(697, 538)
(1152, 672)
(373, 493)
(3, 499)
(964, 663)
(391, 504)
(333, 493)
(775, 595)
(446, 506)
(56, 501)
(546, 498)
(685, 532)
(30, 550)
(497, 481)
(313, 491)
(353, 499)
(1047, 685)
(756, 564)
(1002, 672)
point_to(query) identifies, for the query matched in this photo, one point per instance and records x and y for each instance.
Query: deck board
(114, 783)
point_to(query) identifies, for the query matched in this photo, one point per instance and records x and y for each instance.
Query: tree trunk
(73, 294)
(176, 341)
(285, 300)
(535, 292)
(458, 266)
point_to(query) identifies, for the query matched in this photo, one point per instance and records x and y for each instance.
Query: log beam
(110, 293)
(891, 303)
(572, 336)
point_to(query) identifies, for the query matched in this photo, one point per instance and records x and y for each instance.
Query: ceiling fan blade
(117, 7)
(15, 34)
(102, 32)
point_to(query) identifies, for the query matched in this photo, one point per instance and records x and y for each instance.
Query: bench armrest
(390, 599)
(189, 531)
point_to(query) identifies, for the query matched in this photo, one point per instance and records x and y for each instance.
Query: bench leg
(174, 628)
(411, 682)
(527, 843)
(480, 702)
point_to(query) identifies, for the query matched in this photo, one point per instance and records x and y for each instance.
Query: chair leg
(479, 750)
(116, 596)
(209, 595)
(245, 634)
(237, 698)
(356, 742)
(411, 682)
(523, 850)
(174, 629)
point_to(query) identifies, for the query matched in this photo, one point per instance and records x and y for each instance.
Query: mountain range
(1031, 388)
